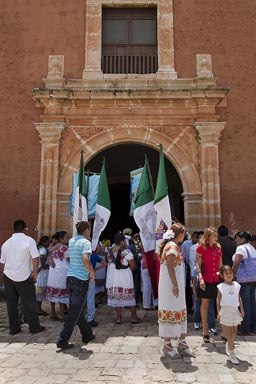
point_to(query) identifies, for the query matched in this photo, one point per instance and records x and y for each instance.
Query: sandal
(206, 338)
(171, 351)
(185, 350)
(136, 321)
(118, 321)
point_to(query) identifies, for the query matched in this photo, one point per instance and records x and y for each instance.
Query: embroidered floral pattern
(172, 317)
(119, 293)
(177, 257)
(57, 292)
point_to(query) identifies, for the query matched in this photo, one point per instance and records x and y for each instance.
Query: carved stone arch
(185, 168)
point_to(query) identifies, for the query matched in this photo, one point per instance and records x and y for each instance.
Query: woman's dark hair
(244, 235)
(177, 228)
(81, 226)
(43, 240)
(118, 237)
(60, 235)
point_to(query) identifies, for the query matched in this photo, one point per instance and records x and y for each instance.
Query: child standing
(228, 303)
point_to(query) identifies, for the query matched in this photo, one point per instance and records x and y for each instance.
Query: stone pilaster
(50, 134)
(209, 136)
(93, 40)
(165, 40)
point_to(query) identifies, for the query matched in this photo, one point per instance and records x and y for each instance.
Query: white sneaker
(213, 331)
(233, 359)
(196, 326)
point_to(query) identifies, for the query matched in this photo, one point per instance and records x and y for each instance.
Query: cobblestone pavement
(126, 353)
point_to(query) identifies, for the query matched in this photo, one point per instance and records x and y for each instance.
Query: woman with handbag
(244, 269)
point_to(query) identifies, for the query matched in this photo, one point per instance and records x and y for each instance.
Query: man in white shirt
(20, 258)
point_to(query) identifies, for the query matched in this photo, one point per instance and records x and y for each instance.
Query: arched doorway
(119, 161)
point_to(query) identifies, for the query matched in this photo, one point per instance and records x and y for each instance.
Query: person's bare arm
(132, 264)
(238, 259)
(241, 307)
(199, 271)
(171, 272)
(35, 262)
(103, 264)
(218, 304)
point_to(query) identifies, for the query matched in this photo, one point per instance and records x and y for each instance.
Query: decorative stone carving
(55, 67)
(204, 66)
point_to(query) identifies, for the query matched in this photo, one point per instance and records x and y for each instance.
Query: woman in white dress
(172, 311)
(56, 286)
(119, 283)
(42, 276)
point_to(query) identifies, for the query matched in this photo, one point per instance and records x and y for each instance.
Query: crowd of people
(210, 275)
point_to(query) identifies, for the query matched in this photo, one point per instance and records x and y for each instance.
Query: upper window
(129, 40)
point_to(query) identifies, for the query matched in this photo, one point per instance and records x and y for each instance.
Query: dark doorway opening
(119, 161)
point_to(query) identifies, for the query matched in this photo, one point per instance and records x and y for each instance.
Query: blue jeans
(247, 293)
(76, 315)
(91, 301)
(211, 313)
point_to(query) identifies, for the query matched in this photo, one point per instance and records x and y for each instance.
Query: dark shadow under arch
(119, 161)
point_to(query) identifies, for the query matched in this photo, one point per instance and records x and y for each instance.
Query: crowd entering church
(208, 276)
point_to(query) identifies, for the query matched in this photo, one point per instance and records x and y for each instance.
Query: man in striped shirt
(79, 274)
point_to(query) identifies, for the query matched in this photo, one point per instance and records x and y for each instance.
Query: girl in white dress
(119, 283)
(172, 311)
(228, 302)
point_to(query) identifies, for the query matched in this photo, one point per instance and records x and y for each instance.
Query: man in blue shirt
(79, 273)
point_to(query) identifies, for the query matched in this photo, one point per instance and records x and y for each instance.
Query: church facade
(106, 73)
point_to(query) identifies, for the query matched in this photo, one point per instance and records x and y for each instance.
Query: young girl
(228, 303)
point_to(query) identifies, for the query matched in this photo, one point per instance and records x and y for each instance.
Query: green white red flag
(103, 208)
(162, 203)
(80, 204)
(145, 218)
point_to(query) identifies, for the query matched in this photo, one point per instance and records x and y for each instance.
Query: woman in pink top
(208, 263)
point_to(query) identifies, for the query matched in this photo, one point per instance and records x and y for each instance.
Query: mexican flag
(145, 218)
(162, 203)
(80, 205)
(103, 207)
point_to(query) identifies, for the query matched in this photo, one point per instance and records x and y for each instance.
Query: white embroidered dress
(119, 283)
(172, 312)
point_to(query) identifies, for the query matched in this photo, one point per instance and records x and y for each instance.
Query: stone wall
(33, 30)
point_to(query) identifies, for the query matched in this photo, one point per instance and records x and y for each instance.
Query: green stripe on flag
(103, 191)
(145, 192)
(161, 185)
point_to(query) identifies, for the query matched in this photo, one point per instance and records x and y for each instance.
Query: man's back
(16, 256)
(228, 248)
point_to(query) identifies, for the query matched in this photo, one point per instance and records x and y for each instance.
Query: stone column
(92, 69)
(165, 40)
(209, 135)
(50, 134)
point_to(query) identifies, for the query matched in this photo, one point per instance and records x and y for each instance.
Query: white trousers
(147, 289)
